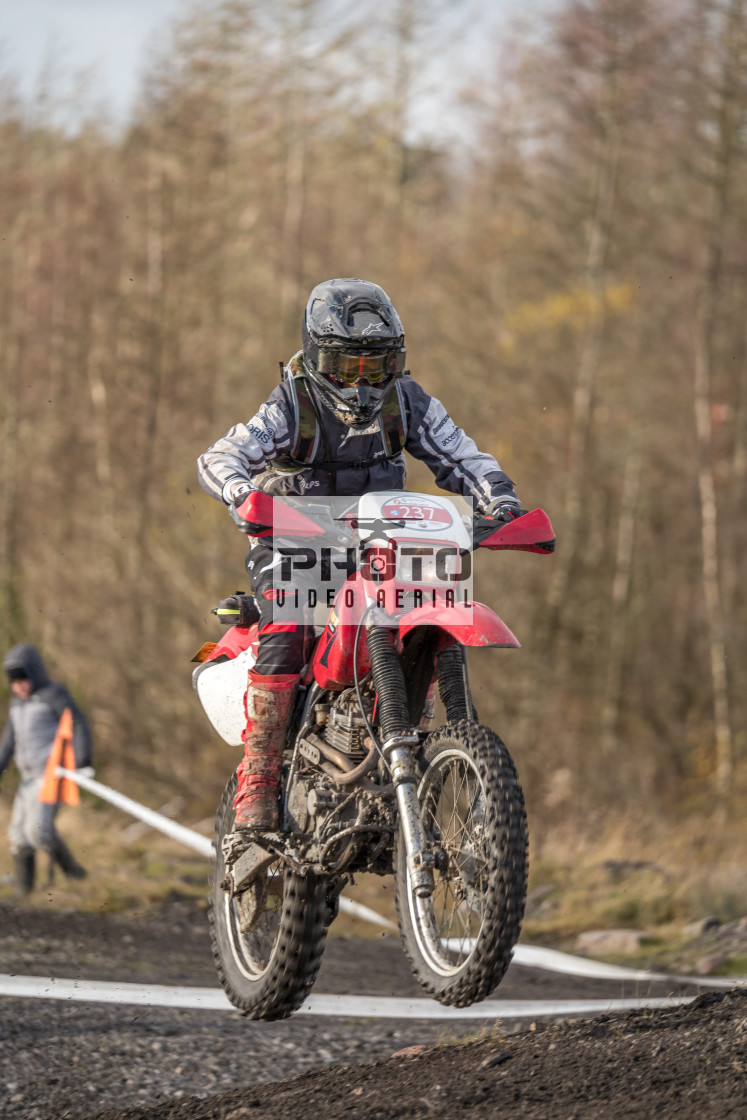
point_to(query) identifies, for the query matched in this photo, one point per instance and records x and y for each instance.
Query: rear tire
(268, 972)
(459, 941)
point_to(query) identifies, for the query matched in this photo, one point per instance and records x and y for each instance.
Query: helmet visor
(347, 369)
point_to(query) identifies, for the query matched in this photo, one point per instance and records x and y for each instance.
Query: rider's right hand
(239, 493)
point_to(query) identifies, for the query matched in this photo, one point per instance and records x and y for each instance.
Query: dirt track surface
(682, 1063)
(70, 1061)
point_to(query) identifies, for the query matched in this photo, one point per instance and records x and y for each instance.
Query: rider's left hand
(237, 518)
(500, 509)
(238, 497)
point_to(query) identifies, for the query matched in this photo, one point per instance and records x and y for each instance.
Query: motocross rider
(339, 423)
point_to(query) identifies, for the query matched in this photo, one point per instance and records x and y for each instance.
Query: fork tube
(420, 860)
(394, 720)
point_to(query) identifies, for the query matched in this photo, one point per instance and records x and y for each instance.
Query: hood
(29, 659)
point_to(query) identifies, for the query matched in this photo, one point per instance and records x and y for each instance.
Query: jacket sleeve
(7, 746)
(455, 460)
(82, 740)
(245, 449)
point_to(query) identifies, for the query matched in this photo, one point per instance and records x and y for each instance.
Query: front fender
(471, 624)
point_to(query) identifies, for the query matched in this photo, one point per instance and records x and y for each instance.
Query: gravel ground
(67, 1061)
(71, 1061)
(687, 1063)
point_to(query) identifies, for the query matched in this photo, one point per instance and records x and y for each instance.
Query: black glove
(238, 609)
(238, 497)
(501, 509)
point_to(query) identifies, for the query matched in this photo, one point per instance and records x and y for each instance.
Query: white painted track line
(390, 1007)
(345, 1007)
(104, 991)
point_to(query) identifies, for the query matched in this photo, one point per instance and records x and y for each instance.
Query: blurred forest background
(570, 264)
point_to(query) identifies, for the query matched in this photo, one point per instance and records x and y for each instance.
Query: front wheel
(459, 940)
(267, 942)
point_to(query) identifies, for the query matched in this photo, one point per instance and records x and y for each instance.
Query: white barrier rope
(186, 836)
(534, 956)
(530, 956)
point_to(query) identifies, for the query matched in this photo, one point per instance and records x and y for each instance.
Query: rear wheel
(267, 942)
(459, 940)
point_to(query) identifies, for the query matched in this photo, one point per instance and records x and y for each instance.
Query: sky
(111, 37)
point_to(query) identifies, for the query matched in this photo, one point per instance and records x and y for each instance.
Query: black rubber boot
(65, 859)
(24, 862)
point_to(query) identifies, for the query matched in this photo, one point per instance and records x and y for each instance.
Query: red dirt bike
(366, 785)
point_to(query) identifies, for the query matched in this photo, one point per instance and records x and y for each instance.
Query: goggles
(348, 369)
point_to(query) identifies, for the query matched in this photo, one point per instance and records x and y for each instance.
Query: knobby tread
(297, 954)
(507, 844)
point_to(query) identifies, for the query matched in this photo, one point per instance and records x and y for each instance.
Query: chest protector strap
(391, 425)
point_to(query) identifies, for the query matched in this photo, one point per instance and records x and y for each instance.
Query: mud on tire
(268, 972)
(459, 942)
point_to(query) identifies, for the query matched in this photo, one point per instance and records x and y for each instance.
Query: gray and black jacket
(32, 724)
(295, 444)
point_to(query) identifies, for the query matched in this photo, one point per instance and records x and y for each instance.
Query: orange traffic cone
(56, 790)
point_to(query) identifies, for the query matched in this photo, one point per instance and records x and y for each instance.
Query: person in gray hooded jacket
(33, 718)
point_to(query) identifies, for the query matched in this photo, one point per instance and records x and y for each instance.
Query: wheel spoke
(287, 915)
(459, 939)
(455, 801)
(451, 918)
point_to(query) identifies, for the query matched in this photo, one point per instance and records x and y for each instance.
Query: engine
(345, 825)
(343, 726)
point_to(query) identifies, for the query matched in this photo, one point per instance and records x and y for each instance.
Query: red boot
(268, 702)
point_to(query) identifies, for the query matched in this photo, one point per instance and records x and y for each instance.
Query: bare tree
(729, 109)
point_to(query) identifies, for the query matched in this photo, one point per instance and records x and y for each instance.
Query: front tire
(269, 971)
(459, 941)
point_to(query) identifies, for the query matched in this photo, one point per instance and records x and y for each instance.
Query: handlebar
(262, 515)
(531, 532)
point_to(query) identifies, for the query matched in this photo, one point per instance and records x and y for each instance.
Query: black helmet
(353, 347)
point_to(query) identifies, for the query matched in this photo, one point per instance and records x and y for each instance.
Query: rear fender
(471, 624)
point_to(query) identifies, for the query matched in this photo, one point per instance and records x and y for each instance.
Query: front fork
(421, 860)
(398, 750)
